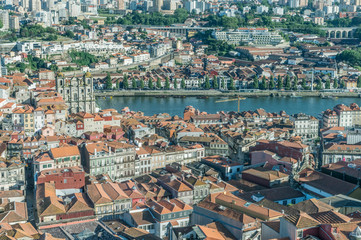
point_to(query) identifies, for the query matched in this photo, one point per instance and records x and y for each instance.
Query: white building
(345, 115)
(12, 175)
(278, 11)
(255, 36)
(4, 17)
(305, 126)
(261, 9)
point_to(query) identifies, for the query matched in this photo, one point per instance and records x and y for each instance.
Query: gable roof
(312, 206)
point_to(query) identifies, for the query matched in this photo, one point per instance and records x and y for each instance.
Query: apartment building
(255, 36)
(305, 126)
(12, 174)
(167, 212)
(108, 199)
(112, 158)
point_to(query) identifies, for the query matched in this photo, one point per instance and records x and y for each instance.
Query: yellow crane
(233, 99)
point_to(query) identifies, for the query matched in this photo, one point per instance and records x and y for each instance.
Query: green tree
(207, 85)
(328, 84)
(22, 66)
(167, 84)
(335, 83)
(159, 84)
(294, 84)
(108, 82)
(150, 83)
(183, 84)
(279, 82)
(69, 34)
(350, 56)
(134, 83)
(272, 84)
(319, 84)
(264, 84)
(141, 84)
(175, 84)
(303, 84)
(82, 58)
(125, 81)
(231, 84)
(357, 33)
(288, 83)
(215, 82)
(255, 82)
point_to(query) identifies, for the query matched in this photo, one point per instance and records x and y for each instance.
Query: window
(293, 201)
(284, 202)
(65, 180)
(299, 234)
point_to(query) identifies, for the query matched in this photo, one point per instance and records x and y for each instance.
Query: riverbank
(214, 93)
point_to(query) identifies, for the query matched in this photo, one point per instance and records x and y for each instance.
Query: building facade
(78, 93)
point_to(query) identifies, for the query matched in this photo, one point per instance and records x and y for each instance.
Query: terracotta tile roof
(302, 220)
(50, 206)
(169, 206)
(48, 236)
(14, 212)
(330, 217)
(312, 206)
(11, 193)
(267, 175)
(97, 194)
(43, 157)
(210, 233)
(130, 189)
(142, 217)
(179, 186)
(79, 203)
(229, 213)
(222, 230)
(61, 152)
(96, 147)
(239, 203)
(114, 191)
(27, 227)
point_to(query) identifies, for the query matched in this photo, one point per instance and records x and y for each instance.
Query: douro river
(175, 106)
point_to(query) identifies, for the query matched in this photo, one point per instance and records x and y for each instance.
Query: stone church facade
(77, 92)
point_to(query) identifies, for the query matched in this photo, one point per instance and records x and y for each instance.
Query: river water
(175, 106)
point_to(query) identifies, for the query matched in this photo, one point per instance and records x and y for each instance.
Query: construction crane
(233, 99)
